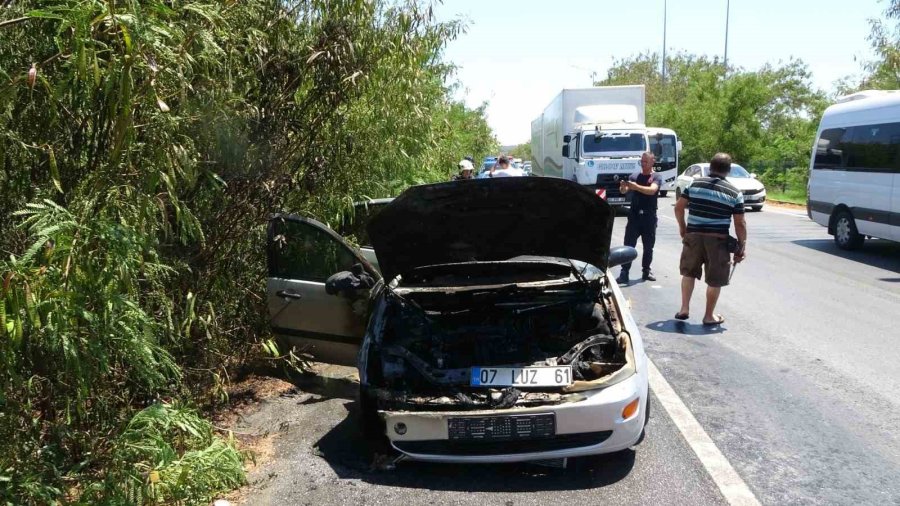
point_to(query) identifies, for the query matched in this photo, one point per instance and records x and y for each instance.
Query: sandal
(718, 321)
(681, 316)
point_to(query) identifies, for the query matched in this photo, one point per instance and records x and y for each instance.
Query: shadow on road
(351, 457)
(875, 253)
(686, 328)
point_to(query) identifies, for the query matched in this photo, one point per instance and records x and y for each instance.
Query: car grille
(751, 192)
(481, 447)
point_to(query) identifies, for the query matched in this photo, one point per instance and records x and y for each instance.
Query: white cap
(465, 165)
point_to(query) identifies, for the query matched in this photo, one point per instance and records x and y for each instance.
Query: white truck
(596, 136)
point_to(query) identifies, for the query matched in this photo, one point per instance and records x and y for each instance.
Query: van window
(863, 148)
(829, 148)
(874, 147)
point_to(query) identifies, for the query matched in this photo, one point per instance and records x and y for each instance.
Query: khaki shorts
(709, 253)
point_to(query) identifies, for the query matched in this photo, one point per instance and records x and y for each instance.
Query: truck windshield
(610, 142)
(664, 148)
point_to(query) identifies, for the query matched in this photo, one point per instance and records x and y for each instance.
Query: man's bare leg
(712, 297)
(687, 289)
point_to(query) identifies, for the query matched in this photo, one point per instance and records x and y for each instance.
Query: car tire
(757, 208)
(677, 193)
(663, 193)
(846, 236)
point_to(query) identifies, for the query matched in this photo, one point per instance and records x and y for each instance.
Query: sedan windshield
(611, 142)
(738, 171)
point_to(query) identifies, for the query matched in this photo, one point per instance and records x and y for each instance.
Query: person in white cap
(466, 170)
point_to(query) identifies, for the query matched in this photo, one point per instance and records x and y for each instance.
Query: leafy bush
(143, 145)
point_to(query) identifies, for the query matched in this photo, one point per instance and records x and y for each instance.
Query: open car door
(302, 254)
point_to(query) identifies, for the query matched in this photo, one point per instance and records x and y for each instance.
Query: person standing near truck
(644, 188)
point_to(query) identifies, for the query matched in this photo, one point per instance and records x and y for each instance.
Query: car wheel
(845, 234)
(757, 208)
(677, 193)
(663, 193)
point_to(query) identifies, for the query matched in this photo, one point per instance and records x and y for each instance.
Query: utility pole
(727, 18)
(665, 2)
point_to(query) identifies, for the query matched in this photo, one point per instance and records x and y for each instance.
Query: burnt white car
(492, 331)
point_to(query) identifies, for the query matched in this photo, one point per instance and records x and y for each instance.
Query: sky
(518, 54)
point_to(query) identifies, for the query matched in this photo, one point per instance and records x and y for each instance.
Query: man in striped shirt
(712, 203)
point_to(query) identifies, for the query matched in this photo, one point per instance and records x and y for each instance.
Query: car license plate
(502, 428)
(615, 200)
(521, 376)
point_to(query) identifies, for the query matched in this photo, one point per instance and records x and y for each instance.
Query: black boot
(648, 276)
(623, 278)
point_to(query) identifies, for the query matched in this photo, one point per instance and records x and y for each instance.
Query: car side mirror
(565, 151)
(678, 146)
(567, 139)
(621, 255)
(753, 175)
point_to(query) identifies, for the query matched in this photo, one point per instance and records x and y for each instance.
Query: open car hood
(489, 220)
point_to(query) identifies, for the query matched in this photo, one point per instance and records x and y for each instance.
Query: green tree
(522, 151)
(757, 116)
(142, 146)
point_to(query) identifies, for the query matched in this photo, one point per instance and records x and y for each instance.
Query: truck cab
(604, 155)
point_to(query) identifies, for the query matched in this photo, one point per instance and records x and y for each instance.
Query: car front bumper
(591, 425)
(754, 200)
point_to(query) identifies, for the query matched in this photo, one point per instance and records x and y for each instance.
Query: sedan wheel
(663, 193)
(677, 193)
(845, 234)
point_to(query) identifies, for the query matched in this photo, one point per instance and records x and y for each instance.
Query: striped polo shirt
(711, 202)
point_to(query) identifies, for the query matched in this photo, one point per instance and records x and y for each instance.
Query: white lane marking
(796, 214)
(667, 217)
(726, 478)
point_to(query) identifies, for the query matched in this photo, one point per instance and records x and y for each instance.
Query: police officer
(644, 189)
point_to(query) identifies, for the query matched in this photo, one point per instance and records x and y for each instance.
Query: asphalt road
(799, 390)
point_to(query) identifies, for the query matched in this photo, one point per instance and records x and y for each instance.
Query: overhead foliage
(142, 146)
(768, 115)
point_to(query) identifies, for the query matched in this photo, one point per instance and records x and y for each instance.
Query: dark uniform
(642, 221)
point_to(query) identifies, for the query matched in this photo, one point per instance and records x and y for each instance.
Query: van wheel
(663, 193)
(845, 234)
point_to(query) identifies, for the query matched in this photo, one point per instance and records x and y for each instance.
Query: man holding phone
(642, 220)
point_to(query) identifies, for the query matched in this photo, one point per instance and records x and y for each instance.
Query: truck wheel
(846, 236)
(663, 193)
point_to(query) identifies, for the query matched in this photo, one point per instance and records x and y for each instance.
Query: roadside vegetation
(765, 118)
(142, 147)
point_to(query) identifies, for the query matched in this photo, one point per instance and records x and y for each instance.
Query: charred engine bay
(433, 338)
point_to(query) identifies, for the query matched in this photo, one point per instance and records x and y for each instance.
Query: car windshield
(611, 142)
(738, 171)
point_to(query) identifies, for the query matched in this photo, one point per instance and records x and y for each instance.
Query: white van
(854, 180)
